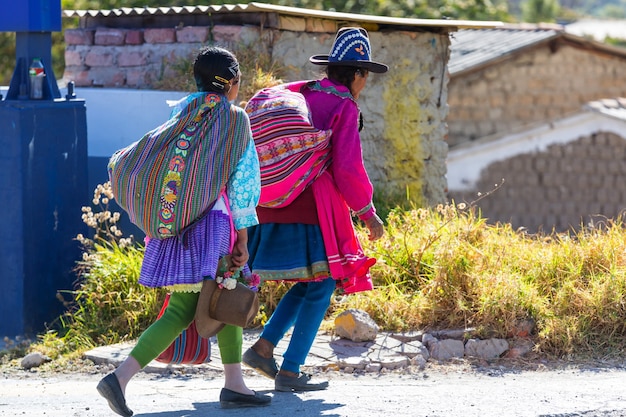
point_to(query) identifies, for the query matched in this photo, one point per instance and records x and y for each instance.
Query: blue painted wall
(114, 119)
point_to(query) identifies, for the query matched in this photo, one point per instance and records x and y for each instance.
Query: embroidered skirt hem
(287, 252)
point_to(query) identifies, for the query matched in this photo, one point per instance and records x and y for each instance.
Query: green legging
(178, 315)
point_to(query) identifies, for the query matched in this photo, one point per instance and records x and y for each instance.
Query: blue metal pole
(30, 45)
(44, 166)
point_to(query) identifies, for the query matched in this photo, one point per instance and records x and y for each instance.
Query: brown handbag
(218, 306)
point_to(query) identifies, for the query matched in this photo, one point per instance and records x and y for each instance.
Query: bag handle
(215, 297)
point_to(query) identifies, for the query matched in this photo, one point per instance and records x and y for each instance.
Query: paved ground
(327, 352)
(459, 389)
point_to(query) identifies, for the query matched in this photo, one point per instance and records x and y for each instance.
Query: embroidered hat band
(351, 47)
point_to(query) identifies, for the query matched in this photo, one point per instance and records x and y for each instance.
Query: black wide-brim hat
(351, 48)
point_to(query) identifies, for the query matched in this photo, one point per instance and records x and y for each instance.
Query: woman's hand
(240, 254)
(375, 226)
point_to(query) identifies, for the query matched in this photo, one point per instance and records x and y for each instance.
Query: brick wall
(535, 86)
(565, 186)
(136, 58)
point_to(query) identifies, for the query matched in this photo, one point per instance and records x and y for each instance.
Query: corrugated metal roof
(472, 47)
(284, 10)
(149, 11)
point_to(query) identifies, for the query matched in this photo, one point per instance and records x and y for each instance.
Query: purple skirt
(189, 258)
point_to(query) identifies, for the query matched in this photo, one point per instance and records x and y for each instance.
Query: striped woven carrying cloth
(188, 347)
(292, 152)
(173, 175)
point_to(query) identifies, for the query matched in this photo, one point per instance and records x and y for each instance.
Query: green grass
(449, 268)
(438, 268)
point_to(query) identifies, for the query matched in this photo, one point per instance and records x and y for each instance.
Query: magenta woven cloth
(292, 152)
(189, 258)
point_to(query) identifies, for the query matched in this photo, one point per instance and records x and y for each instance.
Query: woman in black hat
(311, 241)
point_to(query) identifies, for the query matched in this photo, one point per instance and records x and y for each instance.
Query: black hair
(213, 68)
(343, 74)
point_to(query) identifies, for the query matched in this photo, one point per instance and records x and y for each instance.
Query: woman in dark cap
(311, 241)
(181, 265)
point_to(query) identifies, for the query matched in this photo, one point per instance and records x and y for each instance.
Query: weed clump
(447, 267)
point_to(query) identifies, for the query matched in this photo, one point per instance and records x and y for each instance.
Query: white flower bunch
(103, 220)
(227, 282)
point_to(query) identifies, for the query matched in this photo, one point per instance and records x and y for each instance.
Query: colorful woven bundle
(173, 175)
(292, 152)
(188, 348)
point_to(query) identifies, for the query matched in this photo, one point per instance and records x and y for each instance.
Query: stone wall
(565, 186)
(404, 110)
(537, 85)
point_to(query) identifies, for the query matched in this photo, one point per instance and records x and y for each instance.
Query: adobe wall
(565, 186)
(532, 87)
(404, 139)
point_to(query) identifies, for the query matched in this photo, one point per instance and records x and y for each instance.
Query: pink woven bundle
(292, 152)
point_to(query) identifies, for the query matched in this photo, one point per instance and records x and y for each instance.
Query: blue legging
(303, 307)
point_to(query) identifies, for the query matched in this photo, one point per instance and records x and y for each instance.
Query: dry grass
(448, 268)
(257, 67)
(437, 268)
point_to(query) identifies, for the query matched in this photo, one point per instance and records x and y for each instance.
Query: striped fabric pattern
(171, 177)
(182, 267)
(188, 348)
(292, 152)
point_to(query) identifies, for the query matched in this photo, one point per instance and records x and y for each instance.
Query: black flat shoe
(109, 388)
(232, 399)
(262, 365)
(302, 382)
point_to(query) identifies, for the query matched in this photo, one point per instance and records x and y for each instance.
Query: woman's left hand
(375, 226)
(240, 253)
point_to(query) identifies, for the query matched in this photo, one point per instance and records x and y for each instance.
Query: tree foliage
(7, 56)
(535, 11)
(427, 9)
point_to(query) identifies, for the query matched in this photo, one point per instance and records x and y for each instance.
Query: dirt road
(437, 391)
